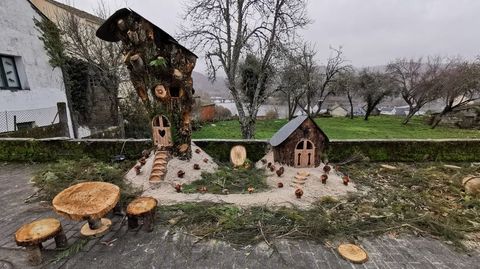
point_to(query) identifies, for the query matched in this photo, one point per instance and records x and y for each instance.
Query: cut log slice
(105, 226)
(155, 179)
(157, 174)
(141, 206)
(389, 167)
(471, 185)
(38, 231)
(87, 200)
(160, 161)
(303, 173)
(352, 253)
(300, 178)
(238, 156)
(158, 169)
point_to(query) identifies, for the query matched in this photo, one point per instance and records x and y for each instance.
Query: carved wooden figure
(160, 70)
(299, 143)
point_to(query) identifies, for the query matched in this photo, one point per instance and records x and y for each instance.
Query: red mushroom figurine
(324, 178)
(299, 193)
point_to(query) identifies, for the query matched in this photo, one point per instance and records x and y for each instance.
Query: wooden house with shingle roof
(299, 143)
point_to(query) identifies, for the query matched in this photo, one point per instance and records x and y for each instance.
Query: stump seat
(142, 207)
(31, 236)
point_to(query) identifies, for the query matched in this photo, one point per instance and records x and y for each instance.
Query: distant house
(207, 113)
(337, 111)
(29, 87)
(358, 111)
(299, 143)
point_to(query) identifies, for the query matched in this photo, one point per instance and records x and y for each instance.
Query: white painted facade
(41, 85)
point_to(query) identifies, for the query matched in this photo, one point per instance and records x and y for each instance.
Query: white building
(29, 87)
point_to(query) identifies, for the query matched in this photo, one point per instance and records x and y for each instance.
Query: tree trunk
(247, 126)
(351, 105)
(411, 113)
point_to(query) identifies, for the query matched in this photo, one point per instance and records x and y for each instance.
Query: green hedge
(44, 150)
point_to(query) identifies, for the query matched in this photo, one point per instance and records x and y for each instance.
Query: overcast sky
(372, 32)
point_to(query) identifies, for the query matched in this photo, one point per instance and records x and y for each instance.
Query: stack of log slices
(300, 178)
(159, 168)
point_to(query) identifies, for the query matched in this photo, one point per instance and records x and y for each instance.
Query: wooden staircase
(159, 167)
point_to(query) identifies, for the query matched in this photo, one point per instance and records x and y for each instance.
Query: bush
(222, 113)
(56, 177)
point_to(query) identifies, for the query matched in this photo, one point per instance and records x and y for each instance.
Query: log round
(238, 156)
(472, 185)
(38, 231)
(87, 200)
(141, 206)
(352, 253)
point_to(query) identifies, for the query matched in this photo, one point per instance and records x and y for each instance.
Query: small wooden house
(162, 135)
(299, 143)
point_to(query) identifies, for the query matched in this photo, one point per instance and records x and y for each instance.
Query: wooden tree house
(299, 143)
(160, 70)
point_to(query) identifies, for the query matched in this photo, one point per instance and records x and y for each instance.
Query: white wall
(44, 85)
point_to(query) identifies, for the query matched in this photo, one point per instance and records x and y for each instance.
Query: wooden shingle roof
(281, 135)
(107, 31)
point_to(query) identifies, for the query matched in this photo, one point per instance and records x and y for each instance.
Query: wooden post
(94, 223)
(34, 255)
(61, 240)
(14, 122)
(132, 222)
(63, 118)
(148, 221)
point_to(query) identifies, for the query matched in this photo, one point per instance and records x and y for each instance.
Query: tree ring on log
(352, 253)
(160, 91)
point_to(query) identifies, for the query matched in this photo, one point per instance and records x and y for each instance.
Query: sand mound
(275, 197)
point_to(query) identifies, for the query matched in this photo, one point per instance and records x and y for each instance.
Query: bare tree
(373, 87)
(336, 64)
(292, 86)
(226, 30)
(461, 86)
(417, 82)
(346, 83)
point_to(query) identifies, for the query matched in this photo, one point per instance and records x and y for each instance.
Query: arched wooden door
(305, 154)
(162, 135)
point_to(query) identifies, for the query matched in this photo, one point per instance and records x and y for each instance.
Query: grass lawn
(381, 127)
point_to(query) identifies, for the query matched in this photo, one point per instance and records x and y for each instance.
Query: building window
(8, 73)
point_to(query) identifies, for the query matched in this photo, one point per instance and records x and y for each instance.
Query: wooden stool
(142, 207)
(32, 235)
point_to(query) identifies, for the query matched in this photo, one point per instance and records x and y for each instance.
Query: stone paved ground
(168, 249)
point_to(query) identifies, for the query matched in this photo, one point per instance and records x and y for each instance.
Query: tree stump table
(32, 235)
(142, 207)
(88, 201)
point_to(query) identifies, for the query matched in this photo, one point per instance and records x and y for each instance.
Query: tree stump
(238, 156)
(32, 235)
(142, 207)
